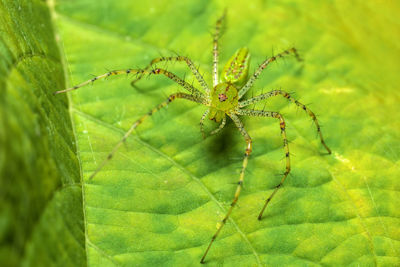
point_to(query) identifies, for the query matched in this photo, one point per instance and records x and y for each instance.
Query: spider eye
(222, 97)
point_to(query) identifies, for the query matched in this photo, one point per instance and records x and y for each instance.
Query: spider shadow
(222, 148)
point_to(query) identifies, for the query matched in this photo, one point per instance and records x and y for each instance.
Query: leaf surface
(159, 200)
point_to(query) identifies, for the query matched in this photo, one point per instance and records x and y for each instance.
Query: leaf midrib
(180, 167)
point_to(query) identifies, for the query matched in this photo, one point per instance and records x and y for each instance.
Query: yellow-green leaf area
(159, 200)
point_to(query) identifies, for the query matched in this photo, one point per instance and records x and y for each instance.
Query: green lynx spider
(223, 99)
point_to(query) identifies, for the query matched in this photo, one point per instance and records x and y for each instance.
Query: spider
(224, 99)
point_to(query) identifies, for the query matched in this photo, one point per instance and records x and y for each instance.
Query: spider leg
(253, 78)
(241, 178)
(189, 63)
(99, 77)
(194, 91)
(220, 127)
(261, 113)
(202, 123)
(215, 131)
(215, 48)
(290, 98)
(138, 122)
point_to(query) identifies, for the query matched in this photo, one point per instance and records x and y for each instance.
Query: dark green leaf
(41, 219)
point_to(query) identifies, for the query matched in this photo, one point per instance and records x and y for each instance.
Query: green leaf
(159, 200)
(41, 196)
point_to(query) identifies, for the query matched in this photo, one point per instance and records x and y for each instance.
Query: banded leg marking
(290, 98)
(282, 126)
(189, 63)
(137, 123)
(257, 73)
(240, 182)
(99, 77)
(194, 91)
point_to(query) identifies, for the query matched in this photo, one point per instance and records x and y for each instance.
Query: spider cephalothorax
(222, 100)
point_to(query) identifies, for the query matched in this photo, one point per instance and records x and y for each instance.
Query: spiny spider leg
(222, 100)
(189, 63)
(247, 153)
(220, 127)
(215, 48)
(272, 114)
(202, 123)
(195, 92)
(105, 75)
(252, 79)
(215, 131)
(289, 97)
(139, 121)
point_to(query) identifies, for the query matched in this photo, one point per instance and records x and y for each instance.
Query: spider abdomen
(236, 68)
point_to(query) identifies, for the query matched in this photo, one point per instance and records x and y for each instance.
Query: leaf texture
(159, 200)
